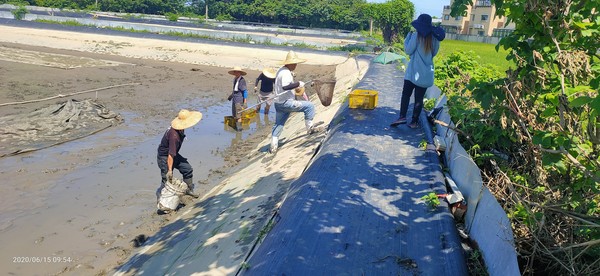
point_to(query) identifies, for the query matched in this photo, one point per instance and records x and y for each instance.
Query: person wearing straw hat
(266, 79)
(239, 95)
(168, 157)
(285, 101)
(422, 46)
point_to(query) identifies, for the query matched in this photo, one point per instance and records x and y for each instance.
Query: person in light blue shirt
(421, 46)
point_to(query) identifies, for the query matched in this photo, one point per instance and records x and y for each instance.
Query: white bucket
(168, 199)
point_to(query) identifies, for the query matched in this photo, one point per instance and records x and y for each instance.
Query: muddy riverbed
(75, 208)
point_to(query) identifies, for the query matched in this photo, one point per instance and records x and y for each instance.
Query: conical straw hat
(269, 72)
(299, 91)
(238, 69)
(186, 119)
(292, 58)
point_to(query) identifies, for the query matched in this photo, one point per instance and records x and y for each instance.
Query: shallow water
(93, 194)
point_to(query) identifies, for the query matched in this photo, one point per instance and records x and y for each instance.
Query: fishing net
(324, 90)
(53, 125)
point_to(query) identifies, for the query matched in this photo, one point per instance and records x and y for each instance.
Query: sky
(431, 7)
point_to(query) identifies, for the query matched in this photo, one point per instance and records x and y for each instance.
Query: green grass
(65, 23)
(486, 52)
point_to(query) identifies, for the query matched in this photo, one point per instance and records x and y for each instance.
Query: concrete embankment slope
(357, 209)
(216, 236)
(157, 47)
(321, 38)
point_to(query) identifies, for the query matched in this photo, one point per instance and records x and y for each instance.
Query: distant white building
(481, 20)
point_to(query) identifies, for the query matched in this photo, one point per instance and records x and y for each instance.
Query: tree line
(392, 17)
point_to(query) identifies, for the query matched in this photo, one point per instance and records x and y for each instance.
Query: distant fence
(485, 220)
(474, 38)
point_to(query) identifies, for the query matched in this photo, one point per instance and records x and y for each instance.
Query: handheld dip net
(324, 90)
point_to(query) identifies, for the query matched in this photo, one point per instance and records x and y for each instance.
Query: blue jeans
(284, 109)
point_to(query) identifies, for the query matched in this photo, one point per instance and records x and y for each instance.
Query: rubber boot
(312, 128)
(309, 126)
(274, 144)
(190, 190)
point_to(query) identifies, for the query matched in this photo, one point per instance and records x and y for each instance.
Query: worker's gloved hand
(170, 176)
(255, 89)
(230, 97)
(301, 84)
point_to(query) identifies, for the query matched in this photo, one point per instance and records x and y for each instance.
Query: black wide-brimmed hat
(423, 24)
(424, 27)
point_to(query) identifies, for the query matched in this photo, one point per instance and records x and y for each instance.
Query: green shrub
(19, 12)
(224, 17)
(431, 199)
(535, 133)
(429, 104)
(172, 16)
(348, 48)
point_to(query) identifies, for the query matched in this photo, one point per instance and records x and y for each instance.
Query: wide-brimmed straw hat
(186, 119)
(237, 69)
(292, 58)
(269, 73)
(299, 91)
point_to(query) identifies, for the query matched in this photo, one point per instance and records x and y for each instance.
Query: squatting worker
(266, 79)
(286, 102)
(168, 151)
(238, 96)
(422, 46)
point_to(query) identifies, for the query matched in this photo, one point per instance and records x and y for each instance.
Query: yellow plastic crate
(364, 99)
(230, 121)
(249, 114)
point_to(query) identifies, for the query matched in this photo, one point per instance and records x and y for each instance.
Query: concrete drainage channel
(321, 39)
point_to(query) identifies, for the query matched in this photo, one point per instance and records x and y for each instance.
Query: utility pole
(206, 9)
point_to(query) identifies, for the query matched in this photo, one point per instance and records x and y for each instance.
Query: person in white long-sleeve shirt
(286, 102)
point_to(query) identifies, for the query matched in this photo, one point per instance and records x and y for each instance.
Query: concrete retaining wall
(217, 30)
(474, 38)
(486, 222)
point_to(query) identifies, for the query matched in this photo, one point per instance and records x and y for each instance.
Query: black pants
(179, 162)
(407, 91)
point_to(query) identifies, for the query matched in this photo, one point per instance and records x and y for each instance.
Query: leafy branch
(545, 114)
